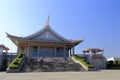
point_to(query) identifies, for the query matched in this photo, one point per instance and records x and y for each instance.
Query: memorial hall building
(44, 43)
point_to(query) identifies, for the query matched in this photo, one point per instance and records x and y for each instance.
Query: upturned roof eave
(76, 42)
(14, 39)
(22, 39)
(17, 40)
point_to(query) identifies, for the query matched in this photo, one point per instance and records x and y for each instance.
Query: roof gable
(47, 34)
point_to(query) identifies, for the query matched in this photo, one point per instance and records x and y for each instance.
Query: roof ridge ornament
(47, 21)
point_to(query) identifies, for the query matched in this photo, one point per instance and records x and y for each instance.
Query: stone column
(55, 51)
(38, 51)
(91, 58)
(73, 51)
(18, 49)
(70, 53)
(28, 52)
(64, 51)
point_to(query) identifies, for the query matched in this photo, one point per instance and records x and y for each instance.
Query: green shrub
(16, 62)
(113, 64)
(88, 65)
(13, 66)
(21, 55)
(119, 62)
(110, 62)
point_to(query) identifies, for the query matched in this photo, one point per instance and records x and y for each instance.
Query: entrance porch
(36, 51)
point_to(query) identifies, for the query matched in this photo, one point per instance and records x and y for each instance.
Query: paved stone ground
(94, 75)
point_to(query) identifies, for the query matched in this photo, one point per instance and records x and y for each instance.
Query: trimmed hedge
(17, 61)
(113, 64)
(88, 65)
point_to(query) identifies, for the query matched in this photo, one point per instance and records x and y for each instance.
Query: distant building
(113, 59)
(3, 52)
(44, 43)
(95, 57)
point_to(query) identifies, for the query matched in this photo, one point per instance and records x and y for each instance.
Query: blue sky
(95, 21)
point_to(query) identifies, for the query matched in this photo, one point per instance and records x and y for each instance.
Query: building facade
(3, 52)
(95, 57)
(44, 43)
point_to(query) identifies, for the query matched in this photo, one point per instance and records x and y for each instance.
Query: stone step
(51, 65)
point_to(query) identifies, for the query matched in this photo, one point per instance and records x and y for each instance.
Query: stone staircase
(51, 65)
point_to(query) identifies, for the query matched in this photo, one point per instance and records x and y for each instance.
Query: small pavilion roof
(4, 47)
(93, 50)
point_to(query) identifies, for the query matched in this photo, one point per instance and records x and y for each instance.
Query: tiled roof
(93, 50)
(4, 47)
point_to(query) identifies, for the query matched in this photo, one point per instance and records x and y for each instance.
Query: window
(58, 50)
(35, 51)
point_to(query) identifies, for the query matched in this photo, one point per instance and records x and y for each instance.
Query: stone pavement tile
(92, 75)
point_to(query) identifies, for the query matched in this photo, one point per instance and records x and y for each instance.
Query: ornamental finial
(47, 21)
